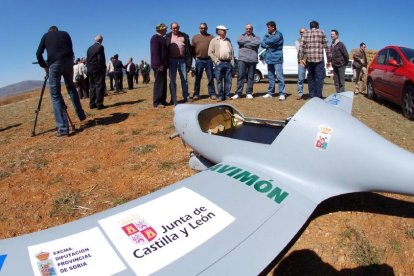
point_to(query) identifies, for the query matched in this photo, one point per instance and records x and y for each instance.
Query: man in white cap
(221, 52)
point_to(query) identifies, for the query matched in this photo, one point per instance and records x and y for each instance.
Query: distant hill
(20, 87)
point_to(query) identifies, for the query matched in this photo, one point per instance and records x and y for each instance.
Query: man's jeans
(339, 78)
(278, 70)
(316, 74)
(56, 70)
(119, 79)
(222, 72)
(301, 79)
(200, 66)
(178, 64)
(246, 69)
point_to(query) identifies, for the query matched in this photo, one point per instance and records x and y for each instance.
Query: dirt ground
(124, 152)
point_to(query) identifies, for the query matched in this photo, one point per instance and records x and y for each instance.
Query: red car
(391, 76)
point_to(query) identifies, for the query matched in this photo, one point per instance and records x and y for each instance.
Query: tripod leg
(39, 105)
(70, 121)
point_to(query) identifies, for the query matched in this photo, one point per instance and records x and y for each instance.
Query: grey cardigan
(248, 48)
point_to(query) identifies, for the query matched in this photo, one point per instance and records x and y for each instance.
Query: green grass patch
(137, 131)
(93, 169)
(4, 141)
(410, 233)
(40, 163)
(120, 132)
(122, 140)
(157, 133)
(135, 167)
(143, 149)
(65, 203)
(395, 245)
(166, 165)
(363, 253)
(57, 179)
(4, 174)
(120, 201)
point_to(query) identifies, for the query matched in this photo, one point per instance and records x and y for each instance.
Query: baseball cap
(160, 26)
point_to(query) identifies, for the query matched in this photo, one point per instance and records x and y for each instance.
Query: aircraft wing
(207, 224)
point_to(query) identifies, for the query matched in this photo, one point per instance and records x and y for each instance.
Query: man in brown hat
(159, 64)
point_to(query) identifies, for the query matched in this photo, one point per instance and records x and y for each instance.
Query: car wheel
(408, 102)
(370, 90)
(257, 77)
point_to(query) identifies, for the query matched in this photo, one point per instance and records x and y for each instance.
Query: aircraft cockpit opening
(228, 122)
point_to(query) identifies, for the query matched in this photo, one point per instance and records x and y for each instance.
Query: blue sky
(128, 25)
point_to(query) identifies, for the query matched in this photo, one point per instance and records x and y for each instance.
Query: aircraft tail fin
(342, 100)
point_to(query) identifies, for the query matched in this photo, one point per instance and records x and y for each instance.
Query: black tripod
(40, 103)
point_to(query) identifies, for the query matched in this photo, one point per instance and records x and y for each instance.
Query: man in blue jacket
(273, 43)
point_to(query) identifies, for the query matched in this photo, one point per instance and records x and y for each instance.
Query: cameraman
(58, 45)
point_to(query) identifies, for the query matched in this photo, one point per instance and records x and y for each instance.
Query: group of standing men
(310, 48)
(58, 45)
(60, 57)
(215, 56)
(115, 69)
(174, 51)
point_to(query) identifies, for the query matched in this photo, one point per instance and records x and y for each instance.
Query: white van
(290, 65)
(349, 71)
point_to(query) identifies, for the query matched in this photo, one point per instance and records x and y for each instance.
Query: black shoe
(92, 106)
(61, 134)
(99, 107)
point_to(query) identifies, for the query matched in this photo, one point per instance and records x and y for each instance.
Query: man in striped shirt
(312, 44)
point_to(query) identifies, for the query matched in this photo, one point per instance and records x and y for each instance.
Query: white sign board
(153, 235)
(85, 253)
